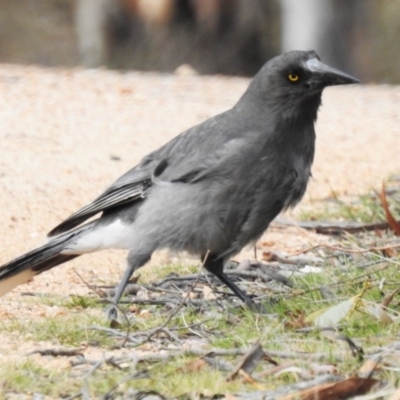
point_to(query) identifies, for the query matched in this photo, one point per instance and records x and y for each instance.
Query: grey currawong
(211, 190)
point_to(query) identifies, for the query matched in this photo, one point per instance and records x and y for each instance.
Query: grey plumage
(210, 191)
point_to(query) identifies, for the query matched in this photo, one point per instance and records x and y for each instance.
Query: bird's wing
(187, 158)
(192, 168)
(204, 149)
(129, 188)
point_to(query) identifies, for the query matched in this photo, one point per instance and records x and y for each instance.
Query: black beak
(324, 75)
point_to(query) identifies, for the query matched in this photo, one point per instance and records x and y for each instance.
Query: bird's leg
(135, 261)
(215, 265)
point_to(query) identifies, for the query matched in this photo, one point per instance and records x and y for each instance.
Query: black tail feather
(36, 261)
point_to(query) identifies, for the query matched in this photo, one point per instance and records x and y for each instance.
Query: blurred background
(232, 37)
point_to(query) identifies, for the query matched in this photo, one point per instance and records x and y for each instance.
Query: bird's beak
(324, 75)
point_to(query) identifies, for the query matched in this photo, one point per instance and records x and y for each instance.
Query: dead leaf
(353, 386)
(249, 361)
(389, 216)
(342, 390)
(269, 359)
(196, 365)
(378, 312)
(306, 392)
(390, 252)
(297, 320)
(332, 315)
(389, 297)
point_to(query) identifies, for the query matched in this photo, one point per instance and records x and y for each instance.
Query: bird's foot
(112, 314)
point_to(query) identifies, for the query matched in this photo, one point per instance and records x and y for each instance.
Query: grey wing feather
(114, 196)
(213, 163)
(184, 159)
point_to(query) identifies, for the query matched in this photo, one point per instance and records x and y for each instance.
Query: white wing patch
(115, 235)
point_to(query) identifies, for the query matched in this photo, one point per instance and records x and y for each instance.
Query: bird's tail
(25, 267)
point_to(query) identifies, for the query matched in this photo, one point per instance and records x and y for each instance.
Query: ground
(67, 134)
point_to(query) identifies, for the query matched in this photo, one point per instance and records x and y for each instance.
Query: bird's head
(294, 78)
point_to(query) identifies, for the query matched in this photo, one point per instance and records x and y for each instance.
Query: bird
(211, 190)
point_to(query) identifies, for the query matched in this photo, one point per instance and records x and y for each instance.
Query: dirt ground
(65, 135)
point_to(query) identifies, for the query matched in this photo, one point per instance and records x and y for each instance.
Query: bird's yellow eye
(293, 77)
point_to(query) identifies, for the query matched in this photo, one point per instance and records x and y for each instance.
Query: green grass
(231, 328)
(366, 208)
(29, 377)
(69, 328)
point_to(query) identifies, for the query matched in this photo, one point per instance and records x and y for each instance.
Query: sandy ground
(65, 135)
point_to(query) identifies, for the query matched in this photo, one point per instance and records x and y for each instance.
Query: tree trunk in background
(91, 20)
(305, 25)
(214, 36)
(336, 29)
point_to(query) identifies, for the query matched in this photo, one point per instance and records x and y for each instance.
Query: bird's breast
(299, 173)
